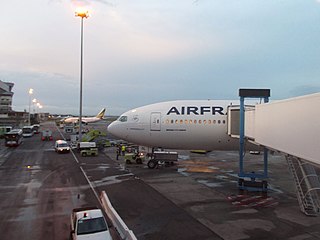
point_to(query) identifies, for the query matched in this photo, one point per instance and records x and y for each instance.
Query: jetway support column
(251, 185)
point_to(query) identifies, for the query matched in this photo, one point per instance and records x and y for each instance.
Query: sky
(138, 52)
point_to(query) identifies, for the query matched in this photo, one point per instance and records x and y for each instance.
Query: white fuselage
(84, 119)
(187, 124)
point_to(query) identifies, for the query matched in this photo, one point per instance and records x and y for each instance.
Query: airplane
(181, 124)
(86, 120)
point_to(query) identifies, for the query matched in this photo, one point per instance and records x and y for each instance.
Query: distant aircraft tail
(101, 113)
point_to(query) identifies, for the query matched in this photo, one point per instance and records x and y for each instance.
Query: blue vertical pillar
(252, 184)
(265, 151)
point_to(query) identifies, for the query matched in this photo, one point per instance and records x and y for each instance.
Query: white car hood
(95, 236)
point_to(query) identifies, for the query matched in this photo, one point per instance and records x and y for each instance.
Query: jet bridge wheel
(152, 163)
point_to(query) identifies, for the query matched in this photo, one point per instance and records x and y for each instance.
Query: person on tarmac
(118, 152)
(123, 149)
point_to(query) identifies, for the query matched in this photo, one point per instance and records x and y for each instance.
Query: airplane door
(155, 121)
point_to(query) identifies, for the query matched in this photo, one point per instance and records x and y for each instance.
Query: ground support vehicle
(107, 144)
(36, 128)
(74, 141)
(86, 145)
(88, 223)
(4, 130)
(162, 157)
(131, 157)
(46, 135)
(27, 131)
(89, 152)
(61, 146)
(13, 138)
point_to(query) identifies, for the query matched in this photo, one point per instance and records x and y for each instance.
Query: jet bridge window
(123, 119)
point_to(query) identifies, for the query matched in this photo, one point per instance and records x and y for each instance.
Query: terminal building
(9, 117)
(6, 96)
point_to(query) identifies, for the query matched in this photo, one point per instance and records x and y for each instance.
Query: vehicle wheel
(240, 182)
(128, 161)
(265, 185)
(152, 164)
(84, 154)
(139, 161)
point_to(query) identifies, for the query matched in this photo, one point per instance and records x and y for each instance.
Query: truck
(46, 135)
(74, 138)
(159, 157)
(88, 223)
(89, 152)
(86, 145)
(88, 149)
(4, 130)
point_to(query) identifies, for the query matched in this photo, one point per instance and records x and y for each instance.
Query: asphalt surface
(194, 199)
(38, 190)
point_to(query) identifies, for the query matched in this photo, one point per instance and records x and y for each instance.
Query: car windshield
(27, 130)
(91, 226)
(63, 145)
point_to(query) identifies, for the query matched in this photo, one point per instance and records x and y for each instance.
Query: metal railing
(307, 185)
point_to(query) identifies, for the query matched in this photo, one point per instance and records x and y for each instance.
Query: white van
(27, 131)
(61, 146)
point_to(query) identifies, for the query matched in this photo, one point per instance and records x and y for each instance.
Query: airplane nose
(110, 128)
(113, 129)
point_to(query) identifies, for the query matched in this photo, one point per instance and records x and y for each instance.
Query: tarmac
(205, 186)
(196, 198)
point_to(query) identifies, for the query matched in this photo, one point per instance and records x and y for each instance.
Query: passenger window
(181, 121)
(195, 121)
(172, 121)
(177, 121)
(204, 122)
(167, 121)
(209, 122)
(219, 121)
(199, 121)
(190, 121)
(224, 121)
(214, 122)
(186, 121)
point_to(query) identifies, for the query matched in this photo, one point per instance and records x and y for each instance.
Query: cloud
(87, 2)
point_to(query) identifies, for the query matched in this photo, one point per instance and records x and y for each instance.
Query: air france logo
(193, 110)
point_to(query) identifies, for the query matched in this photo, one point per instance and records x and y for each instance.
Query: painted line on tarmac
(60, 133)
(84, 173)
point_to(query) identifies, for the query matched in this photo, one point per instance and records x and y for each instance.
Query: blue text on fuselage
(188, 110)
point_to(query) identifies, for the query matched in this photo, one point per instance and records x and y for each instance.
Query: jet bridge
(291, 126)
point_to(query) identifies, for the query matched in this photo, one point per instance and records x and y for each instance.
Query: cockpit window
(123, 118)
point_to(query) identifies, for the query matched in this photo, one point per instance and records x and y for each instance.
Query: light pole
(34, 101)
(30, 93)
(82, 14)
